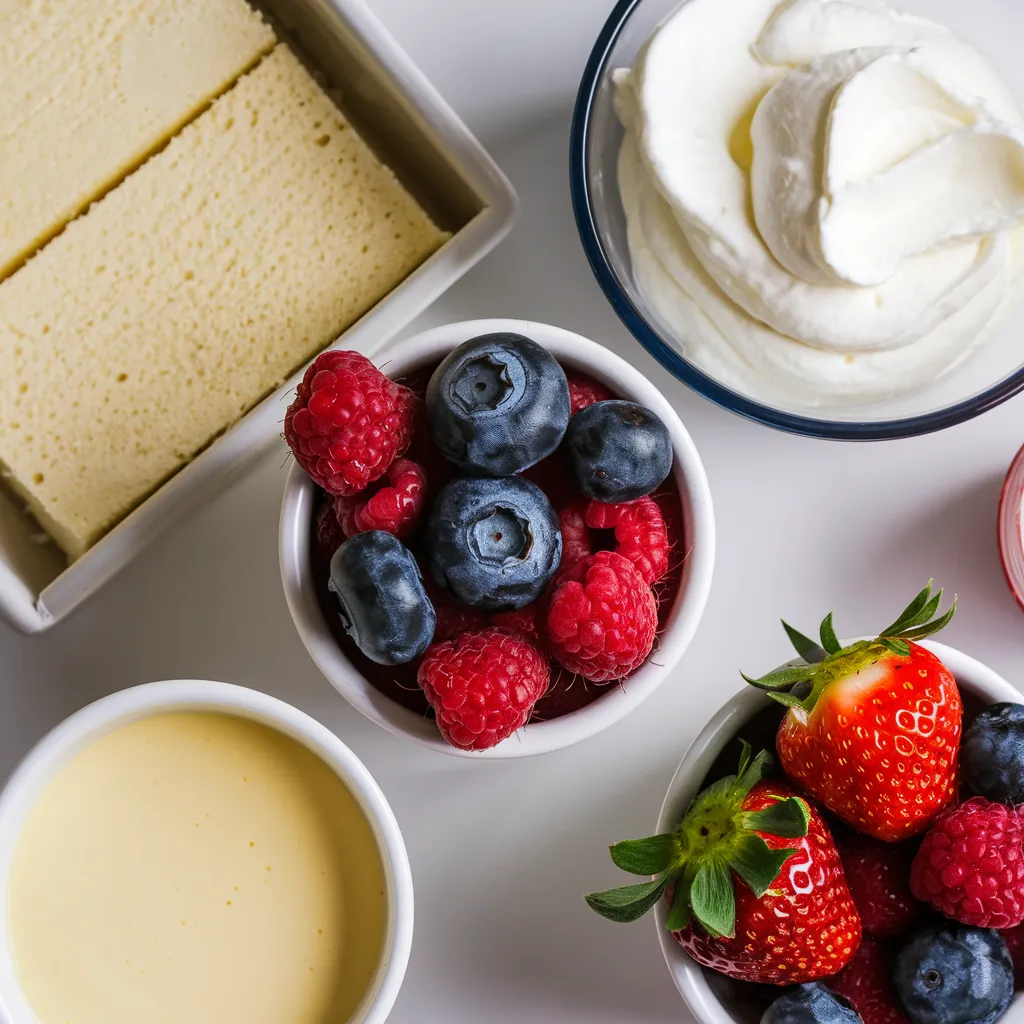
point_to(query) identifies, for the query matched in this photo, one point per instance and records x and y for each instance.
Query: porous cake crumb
(190, 292)
(88, 90)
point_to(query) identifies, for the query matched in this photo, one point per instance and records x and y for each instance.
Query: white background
(501, 852)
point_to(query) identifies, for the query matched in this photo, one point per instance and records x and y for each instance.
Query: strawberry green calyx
(800, 686)
(716, 840)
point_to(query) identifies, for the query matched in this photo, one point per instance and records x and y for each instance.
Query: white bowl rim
(85, 726)
(540, 737)
(971, 675)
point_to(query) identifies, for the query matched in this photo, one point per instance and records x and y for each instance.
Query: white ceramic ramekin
(574, 352)
(713, 998)
(1011, 540)
(86, 726)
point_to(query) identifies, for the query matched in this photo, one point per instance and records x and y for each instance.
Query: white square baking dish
(404, 119)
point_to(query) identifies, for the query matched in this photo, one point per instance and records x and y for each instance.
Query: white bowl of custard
(196, 851)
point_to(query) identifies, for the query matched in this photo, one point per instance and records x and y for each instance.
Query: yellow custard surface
(196, 867)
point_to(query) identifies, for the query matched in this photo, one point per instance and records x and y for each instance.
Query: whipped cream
(822, 197)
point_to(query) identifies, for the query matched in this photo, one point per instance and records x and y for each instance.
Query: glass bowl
(992, 375)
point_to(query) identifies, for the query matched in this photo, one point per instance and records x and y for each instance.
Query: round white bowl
(42, 763)
(711, 997)
(575, 352)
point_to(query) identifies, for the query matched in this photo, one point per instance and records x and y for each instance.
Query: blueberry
(384, 607)
(493, 543)
(617, 451)
(953, 974)
(497, 404)
(810, 1004)
(992, 754)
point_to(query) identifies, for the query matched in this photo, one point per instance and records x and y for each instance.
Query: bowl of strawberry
(497, 543)
(842, 844)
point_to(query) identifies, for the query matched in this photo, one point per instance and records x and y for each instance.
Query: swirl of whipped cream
(820, 195)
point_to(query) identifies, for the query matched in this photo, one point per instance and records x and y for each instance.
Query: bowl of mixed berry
(843, 843)
(496, 541)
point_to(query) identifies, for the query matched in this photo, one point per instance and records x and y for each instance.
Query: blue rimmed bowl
(992, 375)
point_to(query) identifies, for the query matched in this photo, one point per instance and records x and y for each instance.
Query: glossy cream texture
(196, 867)
(822, 196)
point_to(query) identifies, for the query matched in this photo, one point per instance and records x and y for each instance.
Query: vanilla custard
(201, 868)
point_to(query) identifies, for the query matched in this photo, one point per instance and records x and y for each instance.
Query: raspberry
(865, 982)
(971, 865)
(566, 694)
(602, 618)
(584, 391)
(640, 534)
(526, 621)
(639, 528)
(483, 685)
(878, 875)
(395, 507)
(576, 542)
(329, 533)
(452, 618)
(1014, 939)
(348, 422)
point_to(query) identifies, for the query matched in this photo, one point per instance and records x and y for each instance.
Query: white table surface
(501, 852)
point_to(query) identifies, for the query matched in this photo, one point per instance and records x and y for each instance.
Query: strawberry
(756, 885)
(866, 984)
(872, 730)
(878, 875)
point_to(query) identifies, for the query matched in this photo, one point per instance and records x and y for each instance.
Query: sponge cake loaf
(190, 292)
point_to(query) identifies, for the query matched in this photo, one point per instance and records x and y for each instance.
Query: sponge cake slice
(89, 88)
(189, 293)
